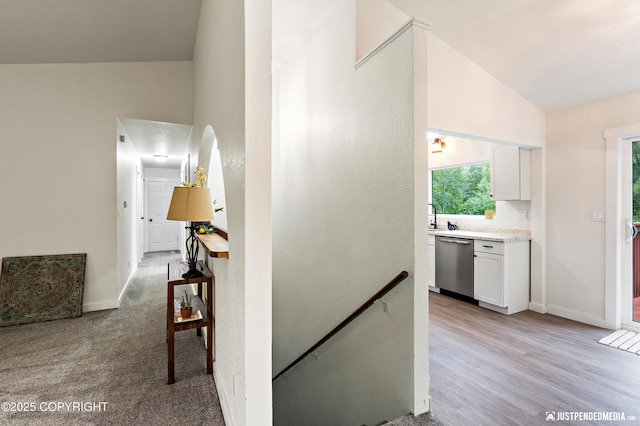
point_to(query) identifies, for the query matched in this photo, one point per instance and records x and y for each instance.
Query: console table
(174, 278)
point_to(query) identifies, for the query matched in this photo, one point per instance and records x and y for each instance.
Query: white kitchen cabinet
(431, 261)
(501, 275)
(510, 173)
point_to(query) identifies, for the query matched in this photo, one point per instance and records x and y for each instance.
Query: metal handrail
(366, 305)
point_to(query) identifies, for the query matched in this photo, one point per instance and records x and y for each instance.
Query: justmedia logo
(551, 416)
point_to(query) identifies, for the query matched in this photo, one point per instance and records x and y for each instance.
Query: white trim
(614, 222)
(410, 24)
(538, 307)
(100, 306)
(126, 285)
(578, 316)
(227, 413)
(631, 327)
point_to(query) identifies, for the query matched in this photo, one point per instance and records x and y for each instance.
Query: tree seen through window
(462, 190)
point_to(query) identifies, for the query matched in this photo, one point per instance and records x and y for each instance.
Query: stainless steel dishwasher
(454, 265)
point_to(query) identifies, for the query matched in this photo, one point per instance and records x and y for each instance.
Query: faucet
(434, 224)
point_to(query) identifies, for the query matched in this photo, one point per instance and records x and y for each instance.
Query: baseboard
(631, 327)
(100, 306)
(222, 397)
(538, 307)
(126, 285)
(577, 316)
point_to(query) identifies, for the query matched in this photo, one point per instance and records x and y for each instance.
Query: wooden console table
(174, 278)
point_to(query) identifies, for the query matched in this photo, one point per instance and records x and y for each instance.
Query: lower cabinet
(488, 279)
(501, 275)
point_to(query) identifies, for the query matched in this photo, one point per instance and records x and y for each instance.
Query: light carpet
(114, 362)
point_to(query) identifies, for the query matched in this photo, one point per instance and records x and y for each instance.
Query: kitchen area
(479, 233)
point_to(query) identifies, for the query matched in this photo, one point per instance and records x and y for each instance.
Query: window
(462, 190)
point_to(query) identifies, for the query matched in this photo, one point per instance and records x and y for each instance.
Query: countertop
(490, 236)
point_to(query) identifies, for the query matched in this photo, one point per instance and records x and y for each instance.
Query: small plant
(185, 301)
(201, 179)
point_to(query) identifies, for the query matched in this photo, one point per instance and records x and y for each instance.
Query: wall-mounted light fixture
(438, 146)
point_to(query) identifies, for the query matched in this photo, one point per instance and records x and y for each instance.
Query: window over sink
(464, 190)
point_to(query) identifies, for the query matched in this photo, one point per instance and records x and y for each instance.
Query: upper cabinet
(510, 171)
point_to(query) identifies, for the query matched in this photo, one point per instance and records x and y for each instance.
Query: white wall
(343, 200)
(458, 151)
(575, 185)
(233, 52)
(160, 173)
(129, 168)
(465, 99)
(58, 162)
(376, 20)
(211, 161)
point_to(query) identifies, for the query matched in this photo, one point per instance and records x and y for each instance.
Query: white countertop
(476, 235)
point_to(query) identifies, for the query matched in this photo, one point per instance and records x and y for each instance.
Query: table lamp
(191, 204)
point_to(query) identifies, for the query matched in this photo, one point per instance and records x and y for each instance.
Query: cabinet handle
(486, 246)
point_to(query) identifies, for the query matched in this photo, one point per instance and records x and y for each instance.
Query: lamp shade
(191, 204)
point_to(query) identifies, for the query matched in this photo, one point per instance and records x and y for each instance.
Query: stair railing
(366, 305)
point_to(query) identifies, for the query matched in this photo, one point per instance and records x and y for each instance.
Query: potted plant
(186, 306)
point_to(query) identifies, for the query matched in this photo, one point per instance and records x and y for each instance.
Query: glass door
(635, 290)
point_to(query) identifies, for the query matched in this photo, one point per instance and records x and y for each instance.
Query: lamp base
(193, 271)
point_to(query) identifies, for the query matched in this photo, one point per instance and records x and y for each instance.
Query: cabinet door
(505, 173)
(488, 278)
(431, 264)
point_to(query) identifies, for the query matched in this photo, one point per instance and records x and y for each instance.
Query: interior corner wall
(343, 215)
(128, 168)
(58, 163)
(231, 34)
(575, 185)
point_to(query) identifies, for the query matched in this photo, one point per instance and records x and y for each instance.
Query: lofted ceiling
(554, 53)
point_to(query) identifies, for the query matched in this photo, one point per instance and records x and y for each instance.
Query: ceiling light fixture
(160, 157)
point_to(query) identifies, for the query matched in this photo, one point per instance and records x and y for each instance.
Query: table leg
(209, 327)
(170, 333)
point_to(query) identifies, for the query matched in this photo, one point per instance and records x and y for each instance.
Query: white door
(162, 233)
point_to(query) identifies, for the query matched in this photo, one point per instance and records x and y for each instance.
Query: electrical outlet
(523, 213)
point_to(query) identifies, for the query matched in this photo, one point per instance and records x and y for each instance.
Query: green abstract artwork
(41, 288)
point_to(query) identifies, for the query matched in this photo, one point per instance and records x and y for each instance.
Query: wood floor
(491, 369)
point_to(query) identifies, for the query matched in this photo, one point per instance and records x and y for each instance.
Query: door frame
(618, 254)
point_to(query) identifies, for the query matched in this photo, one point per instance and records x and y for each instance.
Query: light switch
(597, 215)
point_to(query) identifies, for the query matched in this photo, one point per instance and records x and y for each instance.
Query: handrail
(384, 290)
